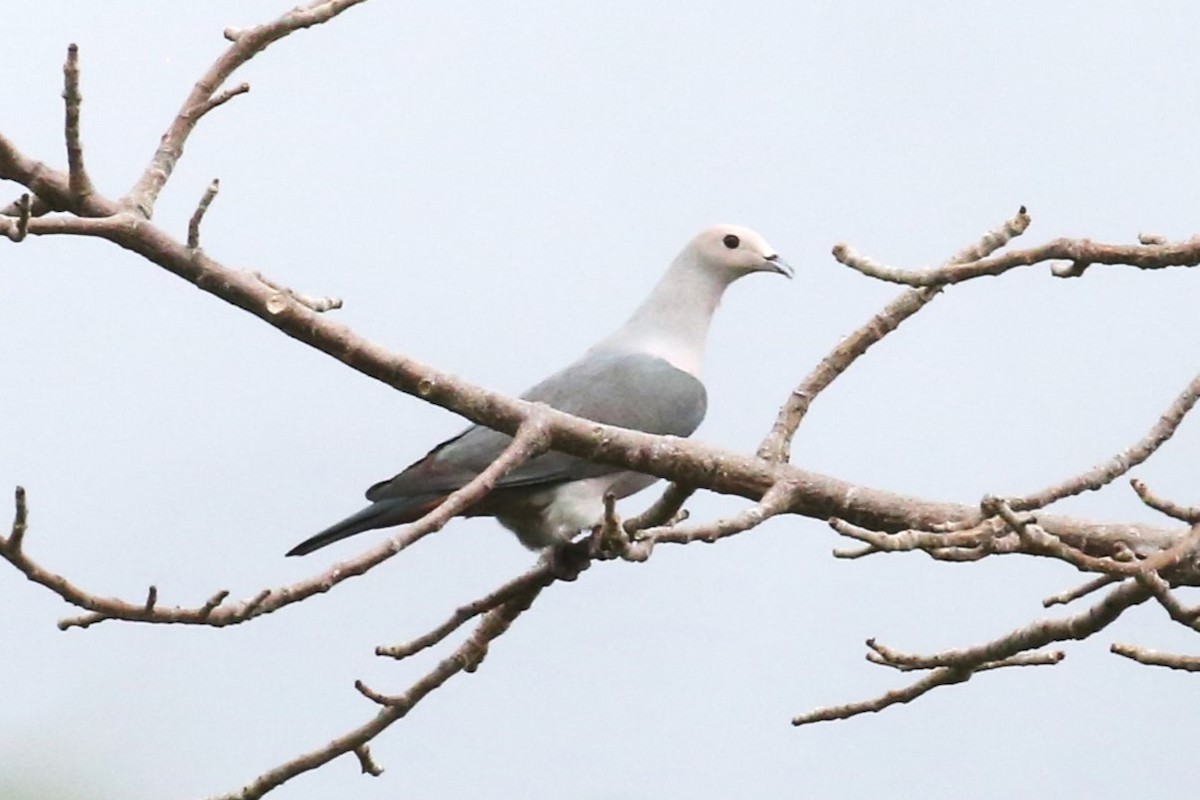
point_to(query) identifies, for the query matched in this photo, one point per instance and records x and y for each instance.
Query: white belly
(564, 511)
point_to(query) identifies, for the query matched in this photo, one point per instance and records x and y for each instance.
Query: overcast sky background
(491, 188)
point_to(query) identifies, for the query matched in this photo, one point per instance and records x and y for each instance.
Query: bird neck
(672, 323)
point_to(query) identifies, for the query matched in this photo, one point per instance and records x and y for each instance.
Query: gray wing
(628, 390)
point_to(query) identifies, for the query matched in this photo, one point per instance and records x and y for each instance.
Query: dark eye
(731, 241)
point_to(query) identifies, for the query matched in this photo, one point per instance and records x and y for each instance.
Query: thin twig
(393, 708)
(1162, 593)
(1096, 584)
(1079, 253)
(531, 439)
(775, 501)
(20, 524)
(777, 445)
(1104, 474)
(80, 183)
(664, 511)
(1155, 658)
(219, 99)
(279, 301)
(203, 98)
(16, 231)
(1029, 637)
(540, 576)
(1189, 514)
(941, 677)
(778, 442)
(210, 194)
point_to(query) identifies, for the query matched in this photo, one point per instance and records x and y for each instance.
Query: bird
(645, 376)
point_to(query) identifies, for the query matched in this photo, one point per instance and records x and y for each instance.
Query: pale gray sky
(491, 187)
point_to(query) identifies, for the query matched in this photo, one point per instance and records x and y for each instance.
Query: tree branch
(246, 44)
(79, 182)
(1155, 658)
(210, 194)
(530, 440)
(465, 658)
(1104, 474)
(1080, 253)
(777, 445)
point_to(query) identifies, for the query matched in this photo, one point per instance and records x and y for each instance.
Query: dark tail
(383, 514)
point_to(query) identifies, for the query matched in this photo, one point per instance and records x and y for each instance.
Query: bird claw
(568, 559)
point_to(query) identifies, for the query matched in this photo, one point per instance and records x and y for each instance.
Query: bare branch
(1155, 658)
(994, 239)
(1019, 660)
(368, 765)
(80, 183)
(664, 511)
(1012, 649)
(1189, 514)
(1162, 593)
(776, 500)
(685, 462)
(1104, 474)
(531, 439)
(777, 444)
(1029, 637)
(986, 536)
(1062, 598)
(1080, 253)
(537, 578)
(219, 99)
(202, 98)
(279, 301)
(1038, 542)
(210, 194)
(18, 228)
(465, 658)
(943, 676)
(20, 523)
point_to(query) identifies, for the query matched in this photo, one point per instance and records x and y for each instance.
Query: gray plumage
(644, 377)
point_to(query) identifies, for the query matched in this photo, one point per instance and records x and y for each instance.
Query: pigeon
(645, 376)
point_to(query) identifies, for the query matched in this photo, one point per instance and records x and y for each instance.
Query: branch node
(278, 302)
(365, 762)
(1071, 269)
(218, 99)
(24, 209)
(377, 697)
(151, 599)
(211, 604)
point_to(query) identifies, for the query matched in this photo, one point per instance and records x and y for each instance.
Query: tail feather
(382, 514)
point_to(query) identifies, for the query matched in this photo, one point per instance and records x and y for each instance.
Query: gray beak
(777, 264)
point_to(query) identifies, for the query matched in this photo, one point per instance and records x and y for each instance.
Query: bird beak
(777, 264)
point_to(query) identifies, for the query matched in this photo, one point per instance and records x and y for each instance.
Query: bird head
(736, 251)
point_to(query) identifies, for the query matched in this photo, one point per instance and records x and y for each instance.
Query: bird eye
(731, 241)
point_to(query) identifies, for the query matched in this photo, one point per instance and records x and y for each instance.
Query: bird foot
(568, 559)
